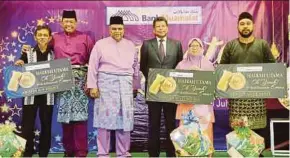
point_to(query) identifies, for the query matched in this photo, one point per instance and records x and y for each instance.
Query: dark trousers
(75, 138)
(28, 121)
(169, 111)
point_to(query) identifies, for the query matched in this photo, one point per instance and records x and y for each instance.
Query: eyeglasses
(194, 46)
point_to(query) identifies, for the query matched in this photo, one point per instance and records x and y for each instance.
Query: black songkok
(116, 20)
(69, 14)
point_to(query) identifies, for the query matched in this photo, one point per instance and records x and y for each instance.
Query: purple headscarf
(191, 61)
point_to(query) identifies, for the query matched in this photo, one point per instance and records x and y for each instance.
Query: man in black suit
(160, 52)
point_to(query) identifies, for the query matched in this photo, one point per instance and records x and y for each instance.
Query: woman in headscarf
(195, 60)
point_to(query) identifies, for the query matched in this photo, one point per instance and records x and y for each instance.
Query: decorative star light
(15, 110)
(13, 44)
(11, 57)
(9, 118)
(15, 50)
(51, 20)
(14, 34)
(95, 133)
(9, 100)
(3, 56)
(5, 108)
(28, 29)
(6, 38)
(57, 138)
(40, 22)
(4, 45)
(37, 132)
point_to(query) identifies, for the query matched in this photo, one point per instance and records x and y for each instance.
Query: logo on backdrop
(145, 15)
(127, 15)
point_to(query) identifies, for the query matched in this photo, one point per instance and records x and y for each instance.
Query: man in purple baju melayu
(112, 76)
(73, 104)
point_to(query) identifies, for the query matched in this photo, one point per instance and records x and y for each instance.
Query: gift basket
(11, 145)
(243, 142)
(189, 139)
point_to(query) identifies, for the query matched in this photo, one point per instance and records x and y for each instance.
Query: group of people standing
(112, 79)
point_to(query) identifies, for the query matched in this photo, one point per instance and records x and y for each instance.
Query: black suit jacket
(150, 56)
